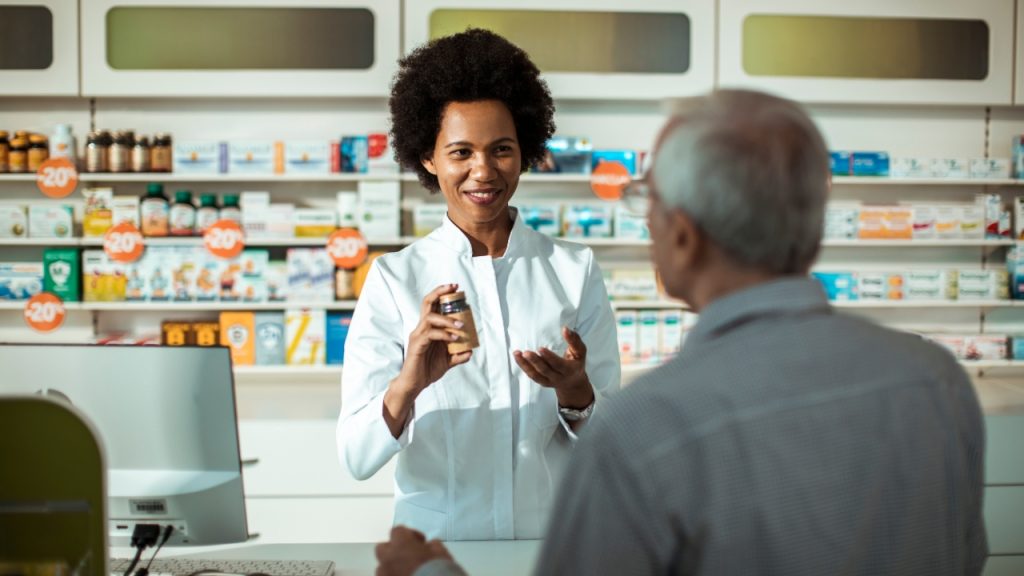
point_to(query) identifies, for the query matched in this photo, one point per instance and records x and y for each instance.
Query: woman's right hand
(426, 359)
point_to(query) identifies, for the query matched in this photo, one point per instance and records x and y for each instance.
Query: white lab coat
(482, 454)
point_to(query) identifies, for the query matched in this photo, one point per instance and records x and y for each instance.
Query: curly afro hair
(466, 67)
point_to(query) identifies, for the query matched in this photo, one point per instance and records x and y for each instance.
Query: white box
(125, 209)
(307, 157)
(587, 221)
(990, 168)
(627, 331)
(972, 222)
(911, 168)
(196, 157)
(1018, 217)
(50, 221)
(13, 221)
(251, 157)
(348, 209)
(947, 221)
(841, 221)
(380, 209)
(925, 219)
(305, 336)
(310, 275)
(427, 216)
(648, 332)
(635, 284)
(671, 332)
(949, 168)
(544, 218)
(313, 222)
(630, 225)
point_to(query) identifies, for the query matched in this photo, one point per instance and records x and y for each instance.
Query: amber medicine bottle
(455, 306)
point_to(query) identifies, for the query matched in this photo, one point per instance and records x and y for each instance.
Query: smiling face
(477, 161)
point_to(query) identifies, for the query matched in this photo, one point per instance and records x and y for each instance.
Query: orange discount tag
(347, 247)
(57, 178)
(608, 179)
(123, 243)
(224, 239)
(44, 312)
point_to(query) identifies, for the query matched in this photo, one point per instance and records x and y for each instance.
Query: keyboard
(189, 566)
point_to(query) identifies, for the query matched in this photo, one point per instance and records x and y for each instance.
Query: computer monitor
(166, 417)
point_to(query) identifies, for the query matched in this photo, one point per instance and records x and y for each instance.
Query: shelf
(992, 363)
(287, 371)
(920, 243)
(647, 305)
(41, 241)
(211, 306)
(890, 181)
(926, 303)
(172, 177)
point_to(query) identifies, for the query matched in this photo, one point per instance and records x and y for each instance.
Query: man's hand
(567, 374)
(406, 552)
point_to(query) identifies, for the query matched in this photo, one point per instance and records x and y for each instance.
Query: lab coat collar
(450, 236)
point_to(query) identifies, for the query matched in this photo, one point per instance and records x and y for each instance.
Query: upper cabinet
(590, 49)
(1018, 92)
(38, 48)
(870, 51)
(314, 48)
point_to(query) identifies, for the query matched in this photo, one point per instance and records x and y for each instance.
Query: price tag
(44, 312)
(57, 178)
(608, 179)
(347, 247)
(123, 243)
(224, 239)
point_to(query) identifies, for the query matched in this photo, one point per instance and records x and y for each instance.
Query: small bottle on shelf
(120, 153)
(183, 214)
(231, 211)
(207, 213)
(62, 144)
(154, 210)
(140, 155)
(106, 141)
(18, 157)
(38, 151)
(5, 150)
(160, 153)
(95, 153)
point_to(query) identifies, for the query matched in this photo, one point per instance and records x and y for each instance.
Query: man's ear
(428, 162)
(687, 239)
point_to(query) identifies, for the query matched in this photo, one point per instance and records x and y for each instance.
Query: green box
(62, 275)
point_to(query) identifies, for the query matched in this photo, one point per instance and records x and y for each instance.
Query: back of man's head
(752, 171)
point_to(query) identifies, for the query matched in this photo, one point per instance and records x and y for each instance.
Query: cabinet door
(314, 48)
(872, 51)
(594, 49)
(38, 48)
(1018, 74)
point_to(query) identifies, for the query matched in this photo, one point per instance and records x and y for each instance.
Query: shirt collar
(791, 295)
(455, 239)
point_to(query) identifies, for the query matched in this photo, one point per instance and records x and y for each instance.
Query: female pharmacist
(482, 436)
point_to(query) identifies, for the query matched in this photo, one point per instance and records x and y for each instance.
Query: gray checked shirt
(783, 439)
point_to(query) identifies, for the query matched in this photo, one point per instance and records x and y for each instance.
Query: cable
(143, 536)
(167, 534)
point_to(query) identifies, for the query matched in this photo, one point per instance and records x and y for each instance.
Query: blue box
(355, 154)
(567, 155)
(840, 163)
(1017, 347)
(337, 332)
(625, 157)
(870, 164)
(838, 285)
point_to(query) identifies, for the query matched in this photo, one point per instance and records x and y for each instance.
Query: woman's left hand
(567, 374)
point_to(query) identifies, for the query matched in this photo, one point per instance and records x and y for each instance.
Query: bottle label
(183, 219)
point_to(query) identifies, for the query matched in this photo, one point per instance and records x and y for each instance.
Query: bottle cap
(184, 196)
(154, 189)
(454, 297)
(208, 200)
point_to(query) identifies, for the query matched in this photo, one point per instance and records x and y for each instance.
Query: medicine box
(625, 157)
(98, 216)
(911, 167)
(544, 218)
(13, 221)
(304, 336)
(61, 274)
(50, 221)
(841, 221)
(587, 221)
(838, 285)
(997, 168)
(949, 168)
(206, 333)
(630, 225)
(251, 157)
(270, 338)
(627, 331)
(355, 154)
(379, 209)
(568, 155)
(20, 280)
(648, 333)
(197, 157)
(313, 222)
(238, 333)
(870, 164)
(337, 331)
(428, 216)
(307, 157)
(125, 209)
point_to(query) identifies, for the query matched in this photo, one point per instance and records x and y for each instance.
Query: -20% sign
(44, 312)
(57, 178)
(347, 247)
(123, 243)
(224, 239)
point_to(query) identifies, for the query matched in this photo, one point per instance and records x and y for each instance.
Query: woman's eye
(503, 149)
(460, 153)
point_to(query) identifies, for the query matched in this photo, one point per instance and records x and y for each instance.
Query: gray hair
(752, 170)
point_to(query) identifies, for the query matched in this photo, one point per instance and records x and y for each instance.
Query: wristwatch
(574, 415)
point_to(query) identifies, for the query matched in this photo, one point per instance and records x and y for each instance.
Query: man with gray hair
(784, 438)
